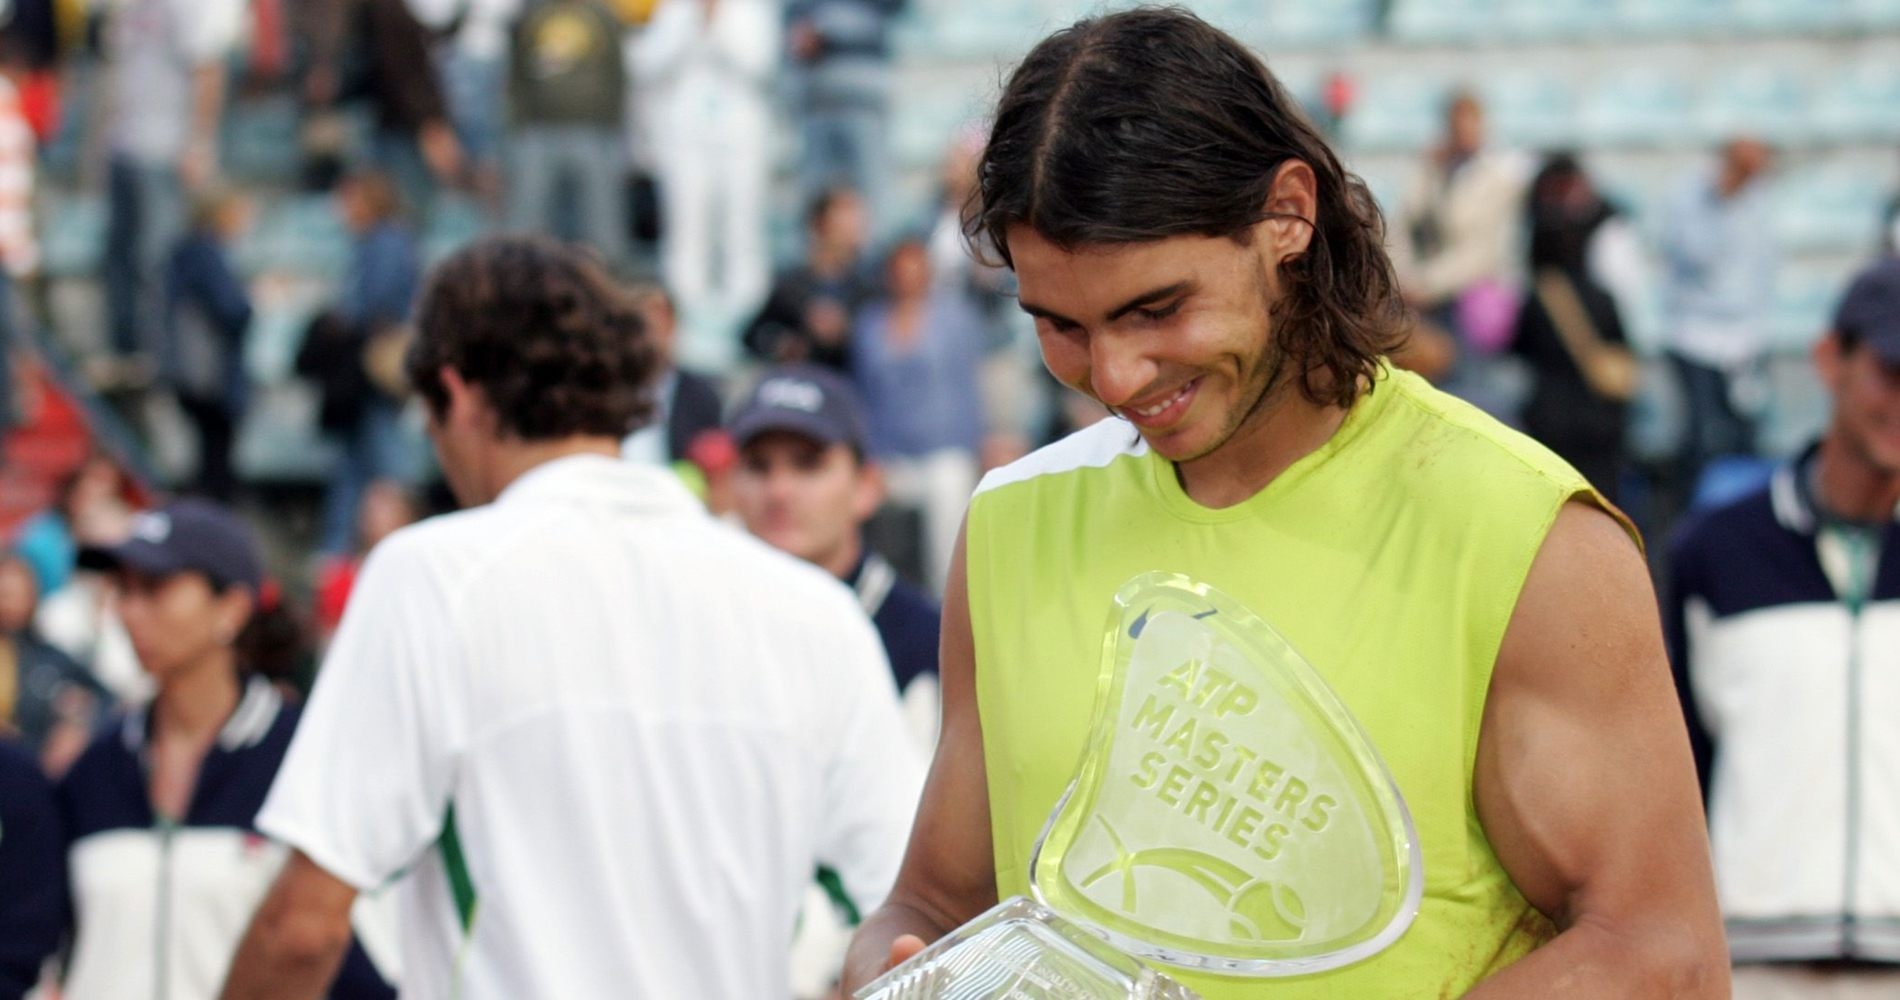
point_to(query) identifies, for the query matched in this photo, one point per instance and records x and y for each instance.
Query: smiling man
(1785, 608)
(1200, 264)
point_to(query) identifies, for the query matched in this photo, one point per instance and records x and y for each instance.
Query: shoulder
(1096, 446)
(1732, 540)
(20, 774)
(1446, 437)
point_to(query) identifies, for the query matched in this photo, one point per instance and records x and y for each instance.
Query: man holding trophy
(1300, 679)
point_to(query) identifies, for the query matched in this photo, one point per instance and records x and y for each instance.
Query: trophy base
(1019, 950)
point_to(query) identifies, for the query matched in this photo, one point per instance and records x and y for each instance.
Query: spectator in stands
(91, 505)
(472, 62)
(167, 62)
(36, 905)
(47, 700)
(711, 66)
(805, 484)
(686, 404)
(640, 730)
(349, 351)
(1781, 613)
(915, 355)
(1719, 259)
(808, 315)
(387, 506)
(1452, 247)
(1570, 330)
(841, 50)
(160, 810)
(207, 314)
(414, 142)
(567, 89)
(38, 34)
(992, 288)
(19, 247)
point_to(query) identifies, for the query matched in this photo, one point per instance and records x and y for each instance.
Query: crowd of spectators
(840, 402)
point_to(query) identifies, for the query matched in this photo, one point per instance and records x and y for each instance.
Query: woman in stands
(167, 864)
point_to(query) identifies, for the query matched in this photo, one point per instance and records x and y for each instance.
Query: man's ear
(467, 404)
(234, 608)
(869, 495)
(1291, 207)
(1828, 359)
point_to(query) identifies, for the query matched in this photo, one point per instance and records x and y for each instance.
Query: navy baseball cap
(1870, 311)
(806, 400)
(184, 537)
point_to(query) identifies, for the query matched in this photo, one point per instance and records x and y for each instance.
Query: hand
(827, 322)
(198, 164)
(806, 43)
(903, 950)
(441, 150)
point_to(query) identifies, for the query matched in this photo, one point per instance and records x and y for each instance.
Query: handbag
(1610, 370)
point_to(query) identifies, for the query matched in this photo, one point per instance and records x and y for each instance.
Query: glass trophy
(1228, 817)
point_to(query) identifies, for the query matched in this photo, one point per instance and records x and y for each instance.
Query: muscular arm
(1585, 787)
(298, 939)
(949, 874)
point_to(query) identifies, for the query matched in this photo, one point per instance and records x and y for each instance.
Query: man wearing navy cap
(1785, 633)
(804, 486)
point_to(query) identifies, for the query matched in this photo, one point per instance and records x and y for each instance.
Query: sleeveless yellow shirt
(1391, 558)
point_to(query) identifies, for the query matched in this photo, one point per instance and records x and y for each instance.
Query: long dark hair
(1151, 123)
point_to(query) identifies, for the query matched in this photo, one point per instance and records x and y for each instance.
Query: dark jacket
(207, 311)
(376, 295)
(47, 678)
(381, 53)
(34, 906)
(907, 620)
(696, 409)
(566, 66)
(116, 843)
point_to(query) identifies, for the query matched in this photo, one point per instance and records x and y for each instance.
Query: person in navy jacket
(159, 812)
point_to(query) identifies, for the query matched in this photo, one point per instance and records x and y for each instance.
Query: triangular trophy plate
(1229, 815)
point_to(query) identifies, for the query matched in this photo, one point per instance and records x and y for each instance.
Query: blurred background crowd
(1621, 223)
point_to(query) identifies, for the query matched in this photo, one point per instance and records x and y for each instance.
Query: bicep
(1584, 782)
(949, 871)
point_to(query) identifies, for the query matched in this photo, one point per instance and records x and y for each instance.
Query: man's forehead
(770, 442)
(1095, 278)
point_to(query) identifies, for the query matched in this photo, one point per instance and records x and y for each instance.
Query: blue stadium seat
(1444, 20)
(1296, 23)
(298, 235)
(1769, 102)
(1783, 16)
(1874, 14)
(454, 222)
(1640, 107)
(72, 235)
(1402, 111)
(1805, 298)
(1860, 103)
(1531, 109)
(259, 140)
(1670, 17)
(927, 122)
(1830, 206)
(1540, 20)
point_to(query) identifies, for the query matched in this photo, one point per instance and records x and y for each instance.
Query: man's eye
(1159, 313)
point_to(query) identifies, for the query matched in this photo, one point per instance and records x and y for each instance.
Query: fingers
(903, 950)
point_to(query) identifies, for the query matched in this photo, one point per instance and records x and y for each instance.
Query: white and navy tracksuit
(160, 905)
(1785, 635)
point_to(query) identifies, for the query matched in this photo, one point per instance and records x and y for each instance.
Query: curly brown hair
(556, 347)
(1151, 123)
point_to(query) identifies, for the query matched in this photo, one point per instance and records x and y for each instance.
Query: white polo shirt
(650, 727)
